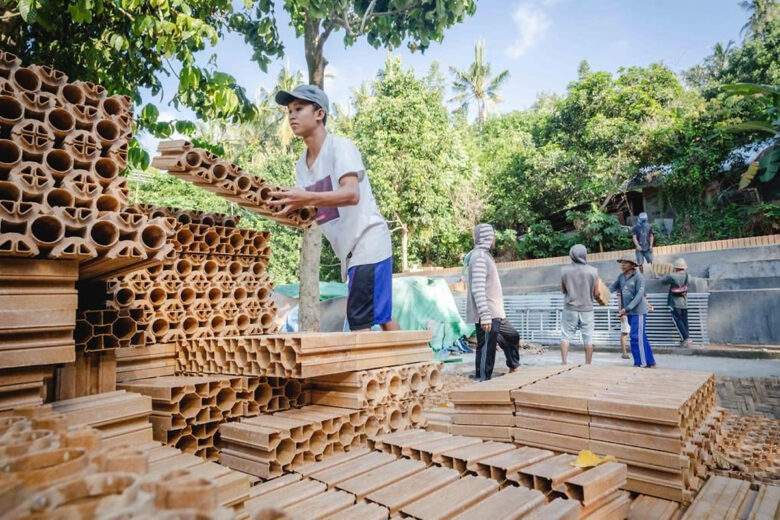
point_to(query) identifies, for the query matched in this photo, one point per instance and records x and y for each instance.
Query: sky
(540, 43)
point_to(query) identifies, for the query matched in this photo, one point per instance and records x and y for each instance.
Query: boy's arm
(348, 194)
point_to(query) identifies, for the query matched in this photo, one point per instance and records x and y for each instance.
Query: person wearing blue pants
(631, 287)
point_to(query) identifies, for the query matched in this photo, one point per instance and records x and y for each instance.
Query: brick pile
(731, 499)
(366, 483)
(655, 421)
(63, 146)
(57, 468)
(303, 355)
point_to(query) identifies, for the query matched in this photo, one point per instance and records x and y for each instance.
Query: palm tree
(720, 57)
(761, 13)
(476, 85)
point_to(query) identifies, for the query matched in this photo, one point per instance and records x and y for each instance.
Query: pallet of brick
(187, 410)
(267, 445)
(143, 362)
(38, 302)
(727, 498)
(304, 355)
(486, 410)
(745, 447)
(64, 149)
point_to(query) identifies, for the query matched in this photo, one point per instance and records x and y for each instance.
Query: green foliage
(599, 231)
(541, 241)
(418, 168)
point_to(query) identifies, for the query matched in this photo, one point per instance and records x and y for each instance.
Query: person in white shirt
(330, 176)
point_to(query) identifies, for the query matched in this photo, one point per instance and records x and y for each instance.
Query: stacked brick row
(63, 146)
(187, 410)
(220, 289)
(268, 445)
(303, 355)
(448, 481)
(393, 395)
(56, 467)
(229, 181)
(657, 422)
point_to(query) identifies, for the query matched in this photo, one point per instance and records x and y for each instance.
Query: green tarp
(419, 303)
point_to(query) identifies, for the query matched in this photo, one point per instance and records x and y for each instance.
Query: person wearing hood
(677, 300)
(642, 235)
(485, 306)
(579, 284)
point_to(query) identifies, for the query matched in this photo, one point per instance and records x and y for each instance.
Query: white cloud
(531, 23)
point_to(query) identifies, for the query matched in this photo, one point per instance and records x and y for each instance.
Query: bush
(541, 241)
(599, 231)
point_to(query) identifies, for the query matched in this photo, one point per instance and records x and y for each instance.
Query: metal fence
(537, 317)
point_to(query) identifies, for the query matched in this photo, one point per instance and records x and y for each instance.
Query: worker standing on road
(677, 300)
(643, 237)
(631, 287)
(579, 284)
(485, 306)
(330, 176)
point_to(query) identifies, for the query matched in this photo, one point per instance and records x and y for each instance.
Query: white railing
(537, 317)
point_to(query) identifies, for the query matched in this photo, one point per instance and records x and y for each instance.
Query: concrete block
(425, 451)
(547, 475)
(650, 508)
(617, 508)
(551, 441)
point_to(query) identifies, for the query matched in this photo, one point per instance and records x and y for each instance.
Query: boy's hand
(291, 200)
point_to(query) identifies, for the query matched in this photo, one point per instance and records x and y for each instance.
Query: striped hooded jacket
(485, 300)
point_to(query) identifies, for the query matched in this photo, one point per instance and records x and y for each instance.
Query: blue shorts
(370, 299)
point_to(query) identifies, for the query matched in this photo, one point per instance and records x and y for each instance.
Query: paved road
(727, 367)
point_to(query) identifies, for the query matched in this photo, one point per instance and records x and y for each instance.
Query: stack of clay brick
(55, 469)
(207, 293)
(393, 395)
(745, 447)
(453, 481)
(653, 420)
(732, 499)
(187, 410)
(37, 316)
(268, 445)
(62, 148)
(227, 180)
(303, 355)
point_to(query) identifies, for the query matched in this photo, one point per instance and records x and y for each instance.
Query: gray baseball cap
(311, 93)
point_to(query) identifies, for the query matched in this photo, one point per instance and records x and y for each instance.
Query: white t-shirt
(360, 229)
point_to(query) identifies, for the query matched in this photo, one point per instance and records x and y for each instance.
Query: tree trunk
(482, 115)
(404, 248)
(311, 245)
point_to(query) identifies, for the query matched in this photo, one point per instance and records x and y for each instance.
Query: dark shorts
(370, 299)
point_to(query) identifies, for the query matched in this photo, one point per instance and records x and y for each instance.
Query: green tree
(476, 85)
(761, 14)
(384, 24)
(418, 167)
